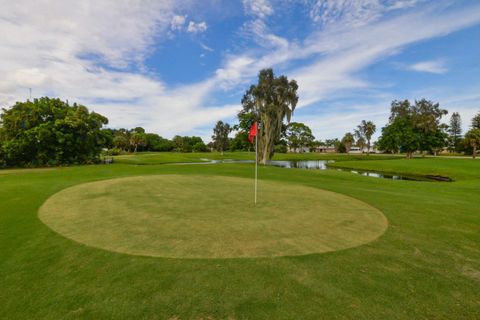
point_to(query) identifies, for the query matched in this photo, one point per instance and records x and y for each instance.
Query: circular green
(185, 216)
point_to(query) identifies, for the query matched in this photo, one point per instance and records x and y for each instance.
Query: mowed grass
(425, 266)
(456, 169)
(192, 216)
(148, 158)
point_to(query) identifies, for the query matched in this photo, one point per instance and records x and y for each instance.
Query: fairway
(157, 241)
(189, 216)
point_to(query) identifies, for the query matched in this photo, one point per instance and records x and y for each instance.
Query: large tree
(220, 136)
(49, 131)
(413, 127)
(154, 142)
(365, 131)
(455, 132)
(472, 139)
(188, 144)
(299, 136)
(271, 100)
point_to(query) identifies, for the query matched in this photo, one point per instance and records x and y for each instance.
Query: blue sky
(176, 67)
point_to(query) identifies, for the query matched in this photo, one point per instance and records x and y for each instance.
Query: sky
(179, 66)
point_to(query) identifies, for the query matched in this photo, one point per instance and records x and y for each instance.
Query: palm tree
(472, 138)
(348, 140)
(365, 130)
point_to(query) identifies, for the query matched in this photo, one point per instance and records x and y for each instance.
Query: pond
(323, 165)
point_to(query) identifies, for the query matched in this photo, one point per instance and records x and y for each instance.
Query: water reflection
(302, 164)
(323, 165)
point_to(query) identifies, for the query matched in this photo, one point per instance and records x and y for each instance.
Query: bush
(280, 148)
(113, 152)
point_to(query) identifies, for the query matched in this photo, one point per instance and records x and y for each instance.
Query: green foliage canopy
(49, 131)
(413, 128)
(299, 136)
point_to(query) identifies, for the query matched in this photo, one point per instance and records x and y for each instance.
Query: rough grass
(194, 216)
(425, 266)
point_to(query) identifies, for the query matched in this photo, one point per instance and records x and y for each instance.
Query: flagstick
(256, 165)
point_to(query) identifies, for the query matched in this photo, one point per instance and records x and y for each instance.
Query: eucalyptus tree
(365, 130)
(220, 136)
(455, 131)
(271, 100)
(348, 140)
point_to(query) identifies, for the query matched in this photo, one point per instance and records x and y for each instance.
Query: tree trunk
(409, 155)
(474, 152)
(264, 143)
(264, 155)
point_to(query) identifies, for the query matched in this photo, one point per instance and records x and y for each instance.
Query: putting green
(187, 216)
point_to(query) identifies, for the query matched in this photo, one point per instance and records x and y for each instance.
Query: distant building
(326, 149)
(299, 150)
(358, 150)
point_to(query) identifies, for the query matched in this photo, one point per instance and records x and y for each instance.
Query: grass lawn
(144, 158)
(425, 266)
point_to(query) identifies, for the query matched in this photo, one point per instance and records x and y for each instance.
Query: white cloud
(197, 27)
(343, 118)
(257, 28)
(354, 13)
(432, 66)
(258, 8)
(69, 49)
(178, 22)
(346, 52)
(338, 54)
(30, 77)
(205, 47)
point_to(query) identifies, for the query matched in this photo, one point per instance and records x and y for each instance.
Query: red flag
(253, 132)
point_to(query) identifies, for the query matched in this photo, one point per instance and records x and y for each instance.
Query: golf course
(165, 236)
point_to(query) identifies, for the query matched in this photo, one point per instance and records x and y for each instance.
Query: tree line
(49, 132)
(412, 127)
(137, 139)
